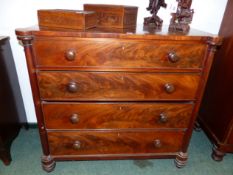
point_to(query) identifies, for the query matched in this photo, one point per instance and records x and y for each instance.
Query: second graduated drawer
(116, 115)
(116, 53)
(116, 86)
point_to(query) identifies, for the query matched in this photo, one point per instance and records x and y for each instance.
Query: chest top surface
(139, 32)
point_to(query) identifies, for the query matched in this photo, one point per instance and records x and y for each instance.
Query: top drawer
(89, 53)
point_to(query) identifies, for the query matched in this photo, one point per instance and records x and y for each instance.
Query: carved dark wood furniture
(182, 18)
(154, 20)
(216, 114)
(12, 113)
(107, 95)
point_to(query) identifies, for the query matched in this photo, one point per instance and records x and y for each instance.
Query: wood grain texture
(71, 19)
(114, 16)
(194, 36)
(115, 53)
(103, 86)
(116, 84)
(94, 143)
(116, 115)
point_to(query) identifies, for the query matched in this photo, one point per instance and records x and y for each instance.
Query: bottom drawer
(114, 142)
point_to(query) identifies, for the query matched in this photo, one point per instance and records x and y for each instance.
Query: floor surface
(26, 152)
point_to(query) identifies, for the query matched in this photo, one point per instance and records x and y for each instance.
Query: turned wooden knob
(70, 55)
(169, 88)
(74, 118)
(157, 143)
(72, 87)
(163, 118)
(172, 57)
(77, 145)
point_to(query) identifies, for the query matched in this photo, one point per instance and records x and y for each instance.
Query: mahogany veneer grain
(62, 143)
(116, 115)
(102, 91)
(71, 19)
(104, 86)
(116, 53)
(114, 16)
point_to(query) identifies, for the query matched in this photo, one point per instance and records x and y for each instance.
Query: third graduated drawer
(107, 53)
(116, 86)
(116, 115)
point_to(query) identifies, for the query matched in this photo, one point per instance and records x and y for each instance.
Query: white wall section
(23, 13)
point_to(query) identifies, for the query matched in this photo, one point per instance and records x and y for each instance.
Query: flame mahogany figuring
(116, 115)
(114, 142)
(115, 94)
(115, 53)
(115, 86)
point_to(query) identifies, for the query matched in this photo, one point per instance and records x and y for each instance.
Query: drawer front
(103, 86)
(94, 143)
(116, 53)
(116, 115)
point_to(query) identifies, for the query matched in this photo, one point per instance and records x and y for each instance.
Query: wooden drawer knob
(72, 87)
(157, 143)
(172, 57)
(74, 118)
(77, 145)
(70, 55)
(169, 88)
(163, 118)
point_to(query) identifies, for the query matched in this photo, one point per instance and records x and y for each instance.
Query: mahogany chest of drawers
(113, 95)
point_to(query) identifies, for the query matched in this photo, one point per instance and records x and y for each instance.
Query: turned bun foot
(48, 163)
(217, 155)
(181, 159)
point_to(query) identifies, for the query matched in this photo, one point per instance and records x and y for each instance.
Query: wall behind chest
(22, 13)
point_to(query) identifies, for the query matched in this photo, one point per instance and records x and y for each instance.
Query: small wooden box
(115, 16)
(70, 19)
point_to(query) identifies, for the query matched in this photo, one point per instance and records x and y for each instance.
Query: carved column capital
(25, 41)
(214, 43)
